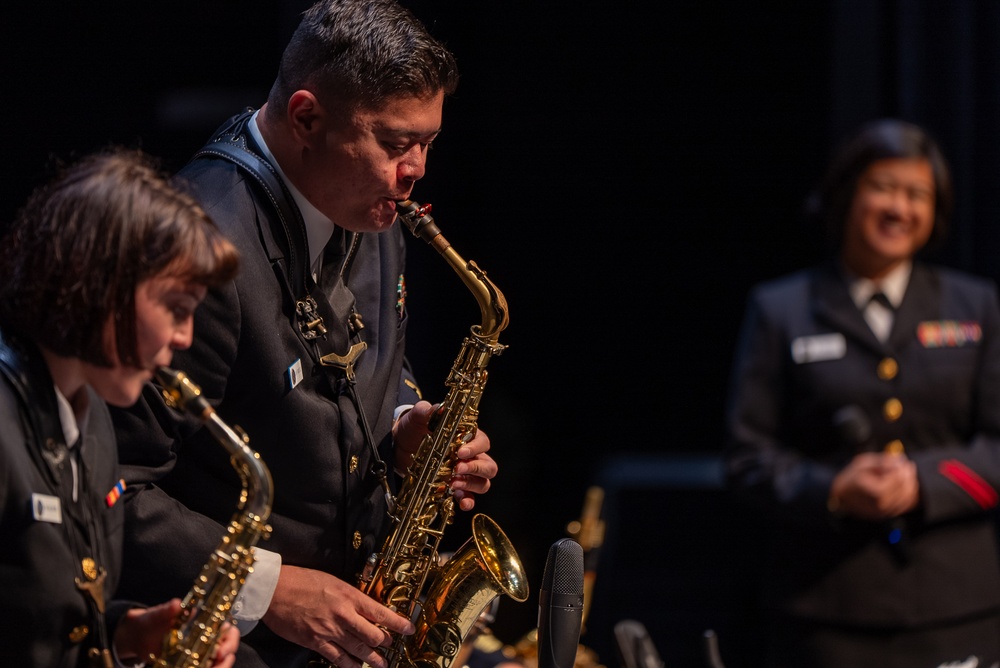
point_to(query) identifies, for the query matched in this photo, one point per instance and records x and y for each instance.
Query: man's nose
(414, 164)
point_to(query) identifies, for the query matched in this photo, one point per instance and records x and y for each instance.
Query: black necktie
(880, 298)
(332, 258)
(880, 320)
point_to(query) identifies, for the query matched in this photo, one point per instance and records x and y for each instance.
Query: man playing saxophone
(306, 187)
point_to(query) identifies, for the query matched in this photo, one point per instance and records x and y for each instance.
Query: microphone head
(564, 568)
(852, 425)
(560, 605)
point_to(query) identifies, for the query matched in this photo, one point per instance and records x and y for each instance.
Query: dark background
(624, 172)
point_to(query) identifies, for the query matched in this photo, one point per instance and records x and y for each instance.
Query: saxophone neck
(181, 393)
(492, 304)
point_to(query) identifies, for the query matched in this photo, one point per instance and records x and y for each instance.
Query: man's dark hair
(357, 54)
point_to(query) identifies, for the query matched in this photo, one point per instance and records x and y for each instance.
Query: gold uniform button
(353, 465)
(894, 447)
(887, 369)
(357, 540)
(79, 633)
(892, 409)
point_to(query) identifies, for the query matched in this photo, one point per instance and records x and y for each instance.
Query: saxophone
(192, 640)
(407, 575)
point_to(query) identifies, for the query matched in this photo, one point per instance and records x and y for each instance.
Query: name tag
(294, 374)
(46, 508)
(819, 348)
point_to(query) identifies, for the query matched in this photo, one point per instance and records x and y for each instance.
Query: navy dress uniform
(61, 521)
(931, 389)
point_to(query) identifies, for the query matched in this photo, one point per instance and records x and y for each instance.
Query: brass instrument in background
(588, 531)
(406, 575)
(192, 640)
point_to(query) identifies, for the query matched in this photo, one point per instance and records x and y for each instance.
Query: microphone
(712, 656)
(854, 429)
(635, 647)
(560, 605)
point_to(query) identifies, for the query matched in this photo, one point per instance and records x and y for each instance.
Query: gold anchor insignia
(345, 362)
(93, 588)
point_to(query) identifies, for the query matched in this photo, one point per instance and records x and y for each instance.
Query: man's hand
(336, 619)
(475, 468)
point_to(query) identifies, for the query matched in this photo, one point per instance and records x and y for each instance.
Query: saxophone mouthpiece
(181, 393)
(417, 218)
(412, 208)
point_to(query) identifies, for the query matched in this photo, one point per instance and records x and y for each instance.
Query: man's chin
(384, 221)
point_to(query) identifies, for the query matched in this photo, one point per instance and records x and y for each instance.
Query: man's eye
(403, 148)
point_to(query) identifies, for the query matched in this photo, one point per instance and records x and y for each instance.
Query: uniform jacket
(45, 533)
(806, 353)
(252, 362)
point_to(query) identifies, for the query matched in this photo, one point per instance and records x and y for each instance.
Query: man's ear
(306, 117)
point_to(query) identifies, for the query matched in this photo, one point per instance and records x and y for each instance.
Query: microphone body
(635, 647)
(560, 605)
(855, 430)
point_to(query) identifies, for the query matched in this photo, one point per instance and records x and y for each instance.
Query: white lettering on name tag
(819, 348)
(46, 508)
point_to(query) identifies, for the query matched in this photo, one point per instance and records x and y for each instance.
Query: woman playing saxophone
(103, 270)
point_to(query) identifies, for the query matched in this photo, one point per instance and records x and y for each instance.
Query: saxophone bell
(484, 568)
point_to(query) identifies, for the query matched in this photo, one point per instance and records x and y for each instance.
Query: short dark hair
(82, 243)
(878, 140)
(358, 54)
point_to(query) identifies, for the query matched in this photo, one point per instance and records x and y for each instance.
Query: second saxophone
(208, 605)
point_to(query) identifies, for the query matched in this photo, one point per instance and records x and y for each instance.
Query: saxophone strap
(315, 317)
(230, 143)
(24, 368)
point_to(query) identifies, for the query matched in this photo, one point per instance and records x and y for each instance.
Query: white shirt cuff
(402, 408)
(255, 596)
